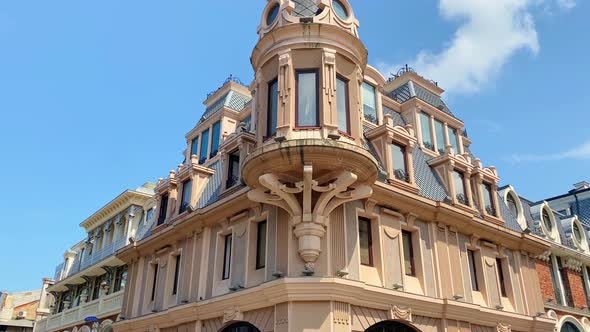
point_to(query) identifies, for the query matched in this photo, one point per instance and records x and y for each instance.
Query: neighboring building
(18, 311)
(323, 197)
(564, 270)
(87, 290)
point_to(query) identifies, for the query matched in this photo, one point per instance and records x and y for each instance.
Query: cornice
(126, 199)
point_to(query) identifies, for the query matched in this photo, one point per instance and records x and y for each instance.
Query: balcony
(104, 306)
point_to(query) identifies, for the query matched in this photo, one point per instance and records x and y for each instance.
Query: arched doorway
(569, 327)
(391, 326)
(241, 327)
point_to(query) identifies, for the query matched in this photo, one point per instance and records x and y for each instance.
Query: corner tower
(307, 108)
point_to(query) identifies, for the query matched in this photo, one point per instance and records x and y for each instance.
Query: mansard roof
(411, 90)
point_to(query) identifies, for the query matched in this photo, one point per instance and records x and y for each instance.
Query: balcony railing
(106, 305)
(88, 261)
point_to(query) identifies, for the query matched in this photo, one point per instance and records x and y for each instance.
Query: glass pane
(273, 104)
(512, 206)
(233, 174)
(261, 246)
(227, 257)
(547, 220)
(215, 138)
(408, 253)
(272, 14)
(186, 196)
(398, 154)
(307, 107)
(195, 147)
(487, 199)
(339, 9)
(439, 129)
(454, 139)
(426, 133)
(369, 103)
(473, 270)
(204, 146)
(459, 187)
(342, 105)
(365, 241)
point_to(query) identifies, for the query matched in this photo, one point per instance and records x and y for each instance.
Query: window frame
(195, 144)
(425, 116)
(440, 149)
(204, 150)
(299, 72)
(501, 277)
(215, 139)
(272, 131)
(184, 206)
(473, 270)
(230, 182)
(488, 191)
(407, 237)
(154, 281)
(368, 221)
(175, 281)
(340, 78)
(261, 245)
(164, 201)
(463, 185)
(374, 88)
(404, 154)
(227, 253)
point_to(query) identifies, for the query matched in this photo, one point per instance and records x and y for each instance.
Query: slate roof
(232, 100)
(211, 192)
(410, 90)
(305, 8)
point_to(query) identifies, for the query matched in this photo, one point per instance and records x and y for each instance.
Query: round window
(339, 9)
(577, 232)
(547, 221)
(272, 14)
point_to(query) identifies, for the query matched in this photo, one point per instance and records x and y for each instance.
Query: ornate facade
(86, 292)
(324, 197)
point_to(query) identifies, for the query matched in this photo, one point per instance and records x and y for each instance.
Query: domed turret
(309, 66)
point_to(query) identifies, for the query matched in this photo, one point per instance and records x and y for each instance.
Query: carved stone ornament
(545, 257)
(309, 212)
(573, 264)
(401, 313)
(504, 327)
(232, 314)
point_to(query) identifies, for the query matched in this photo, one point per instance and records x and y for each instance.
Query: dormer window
(273, 106)
(204, 146)
(488, 199)
(439, 130)
(186, 196)
(454, 139)
(460, 191)
(425, 125)
(511, 202)
(400, 165)
(233, 169)
(547, 221)
(369, 103)
(163, 209)
(342, 105)
(195, 147)
(215, 136)
(577, 232)
(307, 113)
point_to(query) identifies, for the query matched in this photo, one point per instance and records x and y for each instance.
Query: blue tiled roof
(232, 100)
(429, 183)
(404, 92)
(510, 219)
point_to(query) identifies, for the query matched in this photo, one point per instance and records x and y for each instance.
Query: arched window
(390, 326)
(241, 327)
(547, 221)
(569, 327)
(512, 205)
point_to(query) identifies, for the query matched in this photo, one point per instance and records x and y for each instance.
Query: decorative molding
(545, 257)
(504, 327)
(401, 313)
(573, 264)
(232, 314)
(392, 233)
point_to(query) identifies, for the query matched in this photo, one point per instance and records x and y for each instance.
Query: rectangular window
(176, 275)
(555, 281)
(459, 181)
(227, 256)
(342, 105)
(564, 278)
(204, 146)
(473, 270)
(273, 108)
(501, 277)
(233, 169)
(215, 137)
(400, 169)
(410, 268)
(439, 130)
(426, 132)
(488, 199)
(154, 282)
(365, 241)
(163, 209)
(369, 103)
(454, 139)
(185, 200)
(307, 99)
(261, 245)
(584, 282)
(195, 147)
(96, 289)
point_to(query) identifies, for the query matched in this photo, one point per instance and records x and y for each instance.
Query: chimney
(582, 185)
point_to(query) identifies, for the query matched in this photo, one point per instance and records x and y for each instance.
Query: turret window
(342, 105)
(400, 167)
(273, 105)
(307, 99)
(339, 9)
(215, 137)
(369, 103)
(460, 192)
(272, 14)
(204, 146)
(426, 131)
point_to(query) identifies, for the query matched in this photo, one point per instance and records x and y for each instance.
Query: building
(18, 311)
(86, 292)
(325, 197)
(563, 270)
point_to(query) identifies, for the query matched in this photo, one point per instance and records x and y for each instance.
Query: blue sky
(96, 96)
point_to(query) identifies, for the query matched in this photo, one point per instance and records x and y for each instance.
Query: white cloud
(580, 152)
(491, 32)
(566, 4)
